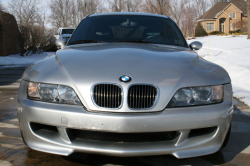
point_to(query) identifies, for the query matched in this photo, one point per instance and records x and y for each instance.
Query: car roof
(128, 13)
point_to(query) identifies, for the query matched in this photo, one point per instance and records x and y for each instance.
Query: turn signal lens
(33, 90)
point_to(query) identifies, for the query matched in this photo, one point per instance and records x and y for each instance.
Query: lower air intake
(123, 137)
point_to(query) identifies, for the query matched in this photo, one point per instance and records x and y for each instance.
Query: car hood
(167, 67)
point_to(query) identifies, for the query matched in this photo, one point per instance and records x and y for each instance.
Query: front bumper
(181, 120)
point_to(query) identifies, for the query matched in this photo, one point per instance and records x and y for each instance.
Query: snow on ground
(19, 61)
(233, 54)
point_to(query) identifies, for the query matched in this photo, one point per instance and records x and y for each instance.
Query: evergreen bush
(200, 31)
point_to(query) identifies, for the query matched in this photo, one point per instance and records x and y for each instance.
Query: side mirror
(61, 43)
(195, 45)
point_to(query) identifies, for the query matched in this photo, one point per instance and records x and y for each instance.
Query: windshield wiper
(85, 41)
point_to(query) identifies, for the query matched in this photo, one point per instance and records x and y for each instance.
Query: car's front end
(125, 99)
(188, 132)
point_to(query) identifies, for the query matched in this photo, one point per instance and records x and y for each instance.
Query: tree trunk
(248, 18)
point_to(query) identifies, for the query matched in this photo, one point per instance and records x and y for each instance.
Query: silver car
(126, 84)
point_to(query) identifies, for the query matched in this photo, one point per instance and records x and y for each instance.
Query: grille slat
(110, 96)
(142, 96)
(145, 98)
(119, 97)
(104, 95)
(107, 95)
(123, 137)
(139, 96)
(133, 96)
(101, 93)
(150, 94)
(115, 96)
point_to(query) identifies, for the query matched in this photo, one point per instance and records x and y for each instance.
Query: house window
(210, 26)
(232, 26)
(232, 15)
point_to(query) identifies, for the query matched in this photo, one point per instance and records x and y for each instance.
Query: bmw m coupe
(126, 84)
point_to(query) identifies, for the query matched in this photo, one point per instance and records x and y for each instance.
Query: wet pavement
(14, 152)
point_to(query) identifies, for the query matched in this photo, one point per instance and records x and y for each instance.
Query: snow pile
(233, 54)
(19, 61)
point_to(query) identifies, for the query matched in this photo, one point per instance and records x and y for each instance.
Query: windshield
(67, 31)
(125, 28)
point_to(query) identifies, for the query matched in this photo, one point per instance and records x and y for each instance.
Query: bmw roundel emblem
(125, 78)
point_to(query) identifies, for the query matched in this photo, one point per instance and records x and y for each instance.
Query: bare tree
(87, 7)
(242, 25)
(25, 13)
(61, 12)
(190, 13)
(200, 7)
(31, 21)
(133, 5)
(248, 17)
(40, 29)
(24, 10)
(82, 9)
(68, 13)
(102, 8)
(117, 5)
(125, 5)
(157, 7)
(213, 2)
(187, 24)
(176, 9)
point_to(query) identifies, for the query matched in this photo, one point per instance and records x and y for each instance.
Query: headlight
(197, 96)
(52, 93)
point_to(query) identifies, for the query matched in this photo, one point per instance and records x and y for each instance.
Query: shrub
(215, 33)
(220, 34)
(237, 34)
(200, 31)
(50, 48)
(237, 31)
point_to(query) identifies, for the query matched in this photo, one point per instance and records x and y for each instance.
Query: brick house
(225, 17)
(9, 35)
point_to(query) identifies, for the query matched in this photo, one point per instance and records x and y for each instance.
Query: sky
(5, 2)
(43, 2)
